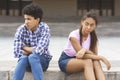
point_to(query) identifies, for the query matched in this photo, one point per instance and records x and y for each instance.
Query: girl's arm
(87, 54)
(78, 48)
(96, 57)
(76, 45)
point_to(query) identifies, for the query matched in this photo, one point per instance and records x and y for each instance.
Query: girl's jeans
(35, 63)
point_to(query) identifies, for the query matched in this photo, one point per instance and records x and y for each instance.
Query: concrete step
(110, 29)
(54, 73)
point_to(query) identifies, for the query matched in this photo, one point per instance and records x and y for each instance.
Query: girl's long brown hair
(93, 35)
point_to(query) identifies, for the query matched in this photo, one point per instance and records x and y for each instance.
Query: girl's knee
(88, 63)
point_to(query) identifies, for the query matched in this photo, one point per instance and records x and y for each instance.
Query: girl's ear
(81, 23)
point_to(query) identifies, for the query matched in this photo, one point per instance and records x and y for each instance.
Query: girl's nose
(88, 26)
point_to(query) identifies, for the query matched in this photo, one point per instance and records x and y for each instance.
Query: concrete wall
(117, 7)
(58, 8)
(61, 9)
(66, 8)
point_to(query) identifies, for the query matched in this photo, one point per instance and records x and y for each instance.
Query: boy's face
(31, 22)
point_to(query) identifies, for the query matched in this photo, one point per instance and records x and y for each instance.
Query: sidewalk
(108, 47)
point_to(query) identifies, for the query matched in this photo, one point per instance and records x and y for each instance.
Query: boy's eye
(27, 19)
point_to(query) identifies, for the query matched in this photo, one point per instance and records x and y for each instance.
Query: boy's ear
(38, 19)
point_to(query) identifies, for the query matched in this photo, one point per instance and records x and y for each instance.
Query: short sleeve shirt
(69, 50)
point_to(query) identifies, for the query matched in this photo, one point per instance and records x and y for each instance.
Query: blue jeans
(35, 63)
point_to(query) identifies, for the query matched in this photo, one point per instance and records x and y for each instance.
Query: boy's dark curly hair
(33, 10)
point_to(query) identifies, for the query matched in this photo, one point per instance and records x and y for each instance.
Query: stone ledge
(53, 73)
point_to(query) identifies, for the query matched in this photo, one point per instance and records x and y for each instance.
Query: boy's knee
(24, 57)
(33, 57)
(23, 60)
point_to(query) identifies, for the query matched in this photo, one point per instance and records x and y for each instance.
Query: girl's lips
(87, 31)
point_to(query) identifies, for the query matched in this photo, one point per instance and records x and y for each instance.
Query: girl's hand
(108, 65)
(80, 53)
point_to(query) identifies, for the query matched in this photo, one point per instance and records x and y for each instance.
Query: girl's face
(30, 22)
(88, 25)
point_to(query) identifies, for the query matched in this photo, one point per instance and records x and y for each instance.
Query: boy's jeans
(34, 62)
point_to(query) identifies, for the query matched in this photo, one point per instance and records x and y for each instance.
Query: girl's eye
(86, 24)
(92, 25)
